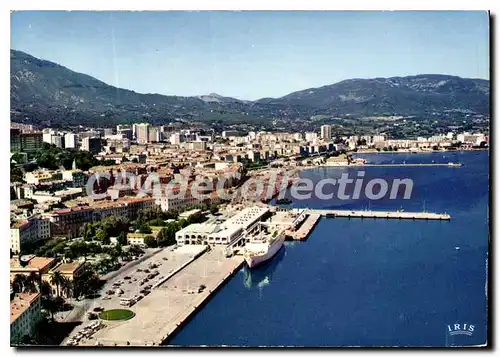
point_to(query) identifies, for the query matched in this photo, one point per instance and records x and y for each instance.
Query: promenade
(171, 304)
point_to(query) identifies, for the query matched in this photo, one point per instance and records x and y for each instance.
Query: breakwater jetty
(381, 214)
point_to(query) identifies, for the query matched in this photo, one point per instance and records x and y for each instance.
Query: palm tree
(32, 283)
(66, 286)
(19, 283)
(45, 288)
(56, 278)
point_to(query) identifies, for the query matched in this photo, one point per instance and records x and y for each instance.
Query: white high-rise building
(58, 140)
(47, 135)
(175, 138)
(70, 141)
(326, 132)
(142, 133)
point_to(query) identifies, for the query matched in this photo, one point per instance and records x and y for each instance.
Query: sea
(369, 282)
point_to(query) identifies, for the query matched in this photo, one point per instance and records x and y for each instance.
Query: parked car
(127, 277)
(139, 270)
(98, 309)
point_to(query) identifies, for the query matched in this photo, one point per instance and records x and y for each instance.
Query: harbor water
(369, 282)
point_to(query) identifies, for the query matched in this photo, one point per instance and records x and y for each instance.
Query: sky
(251, 55)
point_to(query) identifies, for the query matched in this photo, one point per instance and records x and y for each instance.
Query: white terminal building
(223, 233)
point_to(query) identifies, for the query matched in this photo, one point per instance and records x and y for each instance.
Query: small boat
(453, 164)
(457, 248)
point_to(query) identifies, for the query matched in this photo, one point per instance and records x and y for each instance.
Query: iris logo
(460, 329)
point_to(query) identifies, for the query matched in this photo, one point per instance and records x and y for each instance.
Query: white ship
(260, 250)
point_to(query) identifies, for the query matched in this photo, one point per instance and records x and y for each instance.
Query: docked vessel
(260, 250)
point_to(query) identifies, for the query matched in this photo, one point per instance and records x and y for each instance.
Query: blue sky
(250, 55)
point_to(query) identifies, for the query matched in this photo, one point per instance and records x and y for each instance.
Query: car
(146, 271)
(139, 270)
(139, 297)
(98, 309)
(110, 292)
(146, 292)
(148, 287)
(165, 258)
(142, 283)
(142, 291)
(92, 316)
(106, 298)
(127, 277)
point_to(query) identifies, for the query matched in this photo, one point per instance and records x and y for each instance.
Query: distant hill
(46, 92)
(402, 95)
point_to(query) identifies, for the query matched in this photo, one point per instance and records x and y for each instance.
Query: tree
(18, 283)
(32, 283)
(150, 242)
(49, 304)
(135, 250)
(157, 223)
(66, 286)
(122, 238)
(144, 229)
(214, 209)
(56, 278)
(45, 288)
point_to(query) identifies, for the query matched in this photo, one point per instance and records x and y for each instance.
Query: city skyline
(236, 53)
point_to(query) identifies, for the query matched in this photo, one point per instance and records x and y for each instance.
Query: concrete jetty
(381, 214)
(450, 165)
(165, 310)
(307, 226)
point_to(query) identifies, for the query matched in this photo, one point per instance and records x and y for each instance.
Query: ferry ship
(260, 251)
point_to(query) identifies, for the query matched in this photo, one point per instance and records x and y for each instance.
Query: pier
(307, 226)
(382, 165)
(382, 214)
(170, 305)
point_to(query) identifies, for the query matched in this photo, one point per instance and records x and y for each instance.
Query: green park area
(116, 314)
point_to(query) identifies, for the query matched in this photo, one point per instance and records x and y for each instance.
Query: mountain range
(43, 92)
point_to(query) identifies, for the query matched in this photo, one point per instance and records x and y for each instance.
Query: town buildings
(25, 314)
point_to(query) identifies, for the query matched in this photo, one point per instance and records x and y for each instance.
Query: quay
(382, 165)
(410, 165)
(307, 226)
(170, 305)
(381, 214)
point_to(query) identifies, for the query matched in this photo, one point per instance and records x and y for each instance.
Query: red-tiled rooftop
(20, 304)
